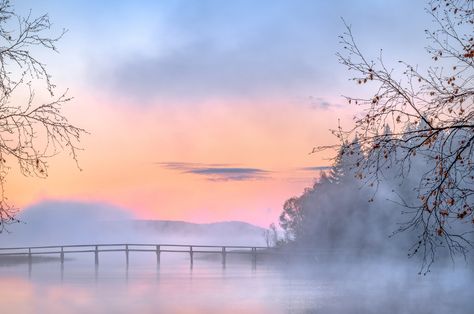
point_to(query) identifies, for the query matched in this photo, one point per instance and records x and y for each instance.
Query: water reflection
(144, 286)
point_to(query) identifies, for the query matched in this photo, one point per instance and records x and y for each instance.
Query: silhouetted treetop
(428, 113)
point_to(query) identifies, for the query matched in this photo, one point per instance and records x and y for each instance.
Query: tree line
(406, 166)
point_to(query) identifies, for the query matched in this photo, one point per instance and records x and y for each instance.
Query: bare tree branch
(428, 114)
(31, 131)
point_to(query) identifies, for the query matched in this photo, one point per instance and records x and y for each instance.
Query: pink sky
(205, 111)
(125, 159)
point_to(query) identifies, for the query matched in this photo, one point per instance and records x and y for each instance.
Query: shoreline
(14, 260)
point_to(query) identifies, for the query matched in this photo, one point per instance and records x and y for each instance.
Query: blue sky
(237, 92)
(193, 49)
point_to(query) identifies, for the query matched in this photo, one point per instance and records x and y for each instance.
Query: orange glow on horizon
(126, 142)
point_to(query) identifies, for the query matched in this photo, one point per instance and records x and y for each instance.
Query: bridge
(127, 248)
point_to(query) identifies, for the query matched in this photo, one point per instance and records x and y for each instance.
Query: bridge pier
(191, 253)
(61, 255)
(126, 254)
(223, 256)
(158, 255)
(254, 257)
(30, 263)
(96, 255)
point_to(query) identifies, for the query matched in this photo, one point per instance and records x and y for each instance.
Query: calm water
(208, 288)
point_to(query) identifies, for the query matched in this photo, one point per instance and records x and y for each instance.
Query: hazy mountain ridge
(63, 223)
(189, 228)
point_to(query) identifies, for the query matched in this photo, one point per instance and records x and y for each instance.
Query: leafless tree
(31, 129)
(428, 113)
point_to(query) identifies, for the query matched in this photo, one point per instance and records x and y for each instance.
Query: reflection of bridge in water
(158, 249)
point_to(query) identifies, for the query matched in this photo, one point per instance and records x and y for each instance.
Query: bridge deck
(158, 249)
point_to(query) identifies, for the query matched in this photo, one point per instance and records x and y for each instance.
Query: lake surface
(175, 287)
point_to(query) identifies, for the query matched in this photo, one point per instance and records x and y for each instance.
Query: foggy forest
(236, 157)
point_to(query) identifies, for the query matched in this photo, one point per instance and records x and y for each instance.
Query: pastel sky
(207, 110)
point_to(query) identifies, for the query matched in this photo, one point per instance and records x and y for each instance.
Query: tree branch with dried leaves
(422, 115)
(31, 130)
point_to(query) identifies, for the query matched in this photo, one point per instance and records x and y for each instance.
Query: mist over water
(174, 287)
(334, 281)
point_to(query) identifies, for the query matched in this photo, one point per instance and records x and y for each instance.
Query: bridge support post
(96, 253)
(61, 255)
(30, 262)
(158, 255)
(254, 257)
(191, 253)
(62, 272)
(223, 256)
(126, 254)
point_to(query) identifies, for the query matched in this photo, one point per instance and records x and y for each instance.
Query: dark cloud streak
(217, 172)
(316, 168)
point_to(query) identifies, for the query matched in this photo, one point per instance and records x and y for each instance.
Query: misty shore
(13, 260)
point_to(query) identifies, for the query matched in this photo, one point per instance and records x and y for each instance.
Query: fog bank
(62, 223)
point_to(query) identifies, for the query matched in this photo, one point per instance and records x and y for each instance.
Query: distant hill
(77, 222)
(228, 232)
(182, 227)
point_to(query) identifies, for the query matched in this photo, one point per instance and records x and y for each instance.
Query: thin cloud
(321, 103)
(316, 168)
(230, 174)
(186, 166)
(217, 172)
(317, 103)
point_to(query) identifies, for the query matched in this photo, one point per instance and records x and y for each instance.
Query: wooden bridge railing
(159, 249)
